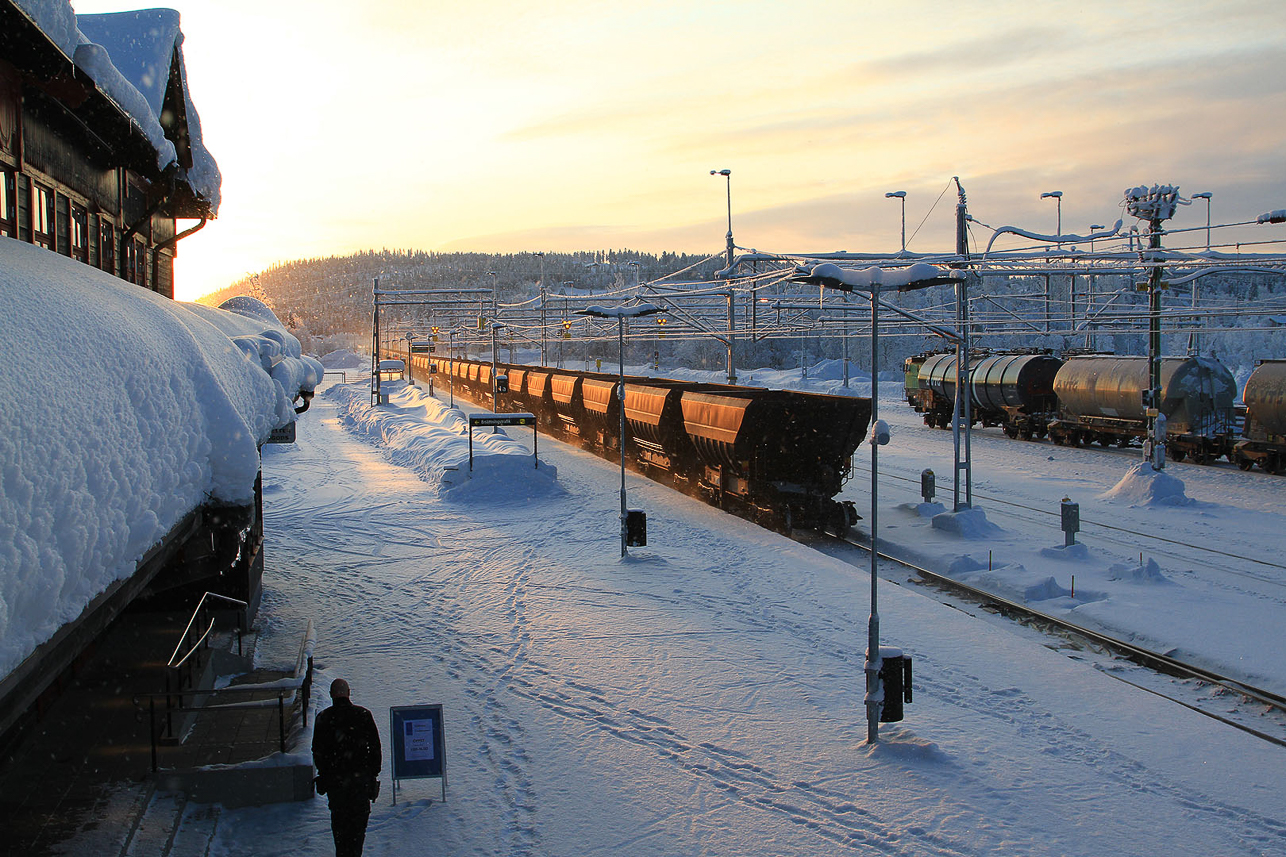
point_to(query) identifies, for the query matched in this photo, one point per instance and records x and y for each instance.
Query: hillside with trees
(327, 302)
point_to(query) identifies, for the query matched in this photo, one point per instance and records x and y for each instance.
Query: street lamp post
(900, 195)
(728, 175)
(829, 275)
(621, 314)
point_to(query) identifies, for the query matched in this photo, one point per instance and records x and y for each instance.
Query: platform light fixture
(621, 313)
(900, 195)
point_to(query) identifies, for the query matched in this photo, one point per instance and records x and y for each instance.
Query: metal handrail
(196, 647)
(195, 614)
(296, 688)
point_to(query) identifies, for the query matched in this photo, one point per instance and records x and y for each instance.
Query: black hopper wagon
(777, 457)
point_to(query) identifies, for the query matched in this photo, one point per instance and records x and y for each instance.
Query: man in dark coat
(346, 751)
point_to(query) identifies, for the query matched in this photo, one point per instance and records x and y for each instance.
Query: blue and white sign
(419, 748)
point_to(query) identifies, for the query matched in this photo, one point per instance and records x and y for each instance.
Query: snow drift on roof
(121, 412)
(141, 46)
(129, 57)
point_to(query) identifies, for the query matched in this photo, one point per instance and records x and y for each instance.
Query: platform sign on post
(488, 419)
(419, 747)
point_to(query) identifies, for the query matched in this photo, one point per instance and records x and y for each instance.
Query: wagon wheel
(839, 519)
(1025, 433)
(1177, 454)
(1245, 463)
(1011, 431)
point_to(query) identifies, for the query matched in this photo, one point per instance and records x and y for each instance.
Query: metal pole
(873, 625)
(620, 342)
(728, 175)
(544, 320)
(732, 339)
(844, 336)
(1154, 344)
(903, 198)
(964, 390)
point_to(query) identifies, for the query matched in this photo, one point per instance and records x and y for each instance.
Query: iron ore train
(777, 457)
(1100, 398)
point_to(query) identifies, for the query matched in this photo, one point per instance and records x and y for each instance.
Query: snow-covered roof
(121, 412)
(130, 57)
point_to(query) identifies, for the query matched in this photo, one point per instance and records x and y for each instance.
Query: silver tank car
(1015, 391)
(1102, 398)
(1263, 437)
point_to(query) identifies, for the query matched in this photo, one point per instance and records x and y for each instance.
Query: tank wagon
(777, 457)
(1102, 399)
(1263, 432)
(1013, 391)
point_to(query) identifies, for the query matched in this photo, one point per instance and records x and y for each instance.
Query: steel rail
(1144, 657)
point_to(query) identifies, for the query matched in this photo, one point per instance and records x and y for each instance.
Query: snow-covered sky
(533, 126)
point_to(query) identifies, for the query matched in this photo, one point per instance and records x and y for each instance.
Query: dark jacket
(346, 750)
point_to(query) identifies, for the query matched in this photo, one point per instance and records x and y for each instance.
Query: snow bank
(1142, 485)
(419, 432)
(120, 412)
(967, 523)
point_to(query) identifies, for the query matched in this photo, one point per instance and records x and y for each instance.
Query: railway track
(1256, 711)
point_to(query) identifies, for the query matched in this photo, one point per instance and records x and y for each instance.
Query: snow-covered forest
(327, 302)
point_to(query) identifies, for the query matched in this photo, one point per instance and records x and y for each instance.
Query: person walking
(346, 751)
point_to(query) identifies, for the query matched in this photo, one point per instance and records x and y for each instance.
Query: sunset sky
(507, 126)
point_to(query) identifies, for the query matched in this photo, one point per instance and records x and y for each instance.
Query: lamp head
(721, 172)
(1203, 195)
(899, 194)
(1053, 194)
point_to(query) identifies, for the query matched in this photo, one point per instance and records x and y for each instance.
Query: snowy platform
(705, 694)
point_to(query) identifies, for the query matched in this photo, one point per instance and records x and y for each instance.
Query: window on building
(107, 246)
(62, 211)
(136, 262)
(42, 217)
(79, 233)
(140, 269)
(8, 205)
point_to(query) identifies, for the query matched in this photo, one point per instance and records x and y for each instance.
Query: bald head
(339, 689)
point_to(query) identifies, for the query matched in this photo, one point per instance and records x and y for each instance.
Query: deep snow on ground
(704, 696)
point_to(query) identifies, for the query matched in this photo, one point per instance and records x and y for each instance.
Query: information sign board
(502, 420)
(516, 419)
(283, 434)
(419, 746)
